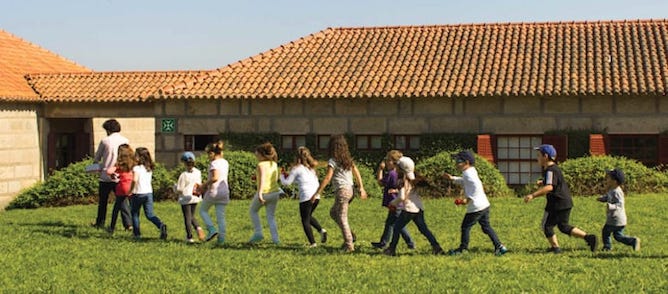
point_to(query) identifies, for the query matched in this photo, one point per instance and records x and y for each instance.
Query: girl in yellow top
(268, 191)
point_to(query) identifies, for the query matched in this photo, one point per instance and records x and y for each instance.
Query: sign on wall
(168, 125)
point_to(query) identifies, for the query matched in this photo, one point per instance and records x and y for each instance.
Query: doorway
(69, 141)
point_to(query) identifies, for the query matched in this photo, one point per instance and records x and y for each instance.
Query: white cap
(407, 165)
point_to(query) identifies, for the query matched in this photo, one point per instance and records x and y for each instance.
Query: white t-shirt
(410, 198)
(219, 191)
(306, 178)
(106, 154)
(186, 184)
(143, 184)
(342, 179)
(473, 190)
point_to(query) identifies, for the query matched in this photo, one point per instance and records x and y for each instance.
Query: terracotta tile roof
(558, 58)
(105, 86)
(18, 58)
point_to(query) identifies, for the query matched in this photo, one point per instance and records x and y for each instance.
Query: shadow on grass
(57, 228)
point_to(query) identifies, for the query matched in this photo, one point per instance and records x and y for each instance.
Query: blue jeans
(618, 233)
(389, 229)
(418, 218)
(136, 202)
(481, 217)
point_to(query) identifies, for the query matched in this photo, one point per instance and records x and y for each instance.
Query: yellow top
(270, 179)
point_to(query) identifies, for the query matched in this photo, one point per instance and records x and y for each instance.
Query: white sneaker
(314, 245)
(190, 241)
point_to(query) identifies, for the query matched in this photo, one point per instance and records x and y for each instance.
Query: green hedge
(434, 167)
(586, 175)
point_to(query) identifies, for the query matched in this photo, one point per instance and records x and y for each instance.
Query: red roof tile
(18, 58)
(105, 86)
(517, 59)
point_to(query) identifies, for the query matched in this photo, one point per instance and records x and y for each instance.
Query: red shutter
(486, 147)
(560, 143)
(597, 144)
(663, 149)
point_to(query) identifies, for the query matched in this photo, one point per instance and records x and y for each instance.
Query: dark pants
(389, 229)
(188, 219)
(136, 202)
(481, 217)
(559, 218)
(121, 204)
(103, 193)
(618, 233)
(306, 209)
(418, 218)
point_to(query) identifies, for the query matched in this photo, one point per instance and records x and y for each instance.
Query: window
(643, 148)
(516, 158)
(323, 142)
(369, 142)
(406, 142)
(292, 141)
(197, 142)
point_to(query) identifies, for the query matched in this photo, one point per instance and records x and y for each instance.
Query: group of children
(401, 196)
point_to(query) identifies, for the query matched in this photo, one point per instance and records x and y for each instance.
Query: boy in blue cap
(616, 215)
(477, 210)
(559, 201)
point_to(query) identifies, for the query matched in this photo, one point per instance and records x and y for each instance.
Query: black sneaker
(591, 241)
(163, 231)
(378, 245)
(457, 251)
(555, 250)
(323, 237)
(437, 251)
(389, 252)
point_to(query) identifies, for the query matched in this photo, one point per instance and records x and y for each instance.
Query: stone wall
(19, 148)
(501, 115)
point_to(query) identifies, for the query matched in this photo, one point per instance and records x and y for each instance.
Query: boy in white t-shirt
(478, 205)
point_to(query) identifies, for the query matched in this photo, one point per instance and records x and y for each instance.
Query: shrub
(163, 181)
(70, 185)
(434, 167)
(586, 175)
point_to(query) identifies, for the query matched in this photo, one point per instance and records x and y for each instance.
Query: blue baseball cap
(547, 149)
(617, 175)
(188, 156)
(464, 156)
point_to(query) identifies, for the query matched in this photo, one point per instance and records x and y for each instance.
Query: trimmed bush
(586, 175)
(434, 167)
(70, 185)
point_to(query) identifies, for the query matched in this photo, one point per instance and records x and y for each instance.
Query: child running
(477, 210)
(303, 172)
(142, 193)
(268, 192)
(387, 177)
(217, 192)
(187, 187)
(559, 202)
(616, 214)
(410, 206)
(340, 171)
(122, 172)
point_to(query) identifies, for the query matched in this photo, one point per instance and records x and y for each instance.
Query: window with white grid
(516, 158)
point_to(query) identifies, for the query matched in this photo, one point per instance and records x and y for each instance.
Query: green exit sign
(168, 125)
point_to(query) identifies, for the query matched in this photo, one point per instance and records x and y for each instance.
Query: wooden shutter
(663, 149)
(598, 144)
(486, 144)
(560, 143)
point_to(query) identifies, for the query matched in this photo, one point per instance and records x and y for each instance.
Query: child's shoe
(389, 252)
(200, 234)
(163, 232)
(501, 250)
(212, 234)
(636, 244)
(555, 250)
(312, 245)
(323, 236)
(220, 241)
(591, 241)
(190, 241)
(378, 245)
(457, 251)
(437, 250)
(255, 238)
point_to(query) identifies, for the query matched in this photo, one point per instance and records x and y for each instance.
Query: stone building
(515, 84)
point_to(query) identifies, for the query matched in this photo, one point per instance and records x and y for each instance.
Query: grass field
(55, 250)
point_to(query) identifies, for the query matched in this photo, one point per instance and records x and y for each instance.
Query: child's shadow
(57, 228)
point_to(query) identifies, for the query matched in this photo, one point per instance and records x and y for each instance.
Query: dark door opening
(69, 141)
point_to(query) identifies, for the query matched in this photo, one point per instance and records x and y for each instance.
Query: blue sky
(119, 35)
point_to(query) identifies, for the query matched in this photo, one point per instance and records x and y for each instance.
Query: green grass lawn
(55, 250)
